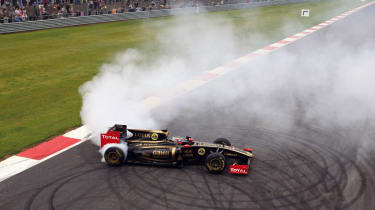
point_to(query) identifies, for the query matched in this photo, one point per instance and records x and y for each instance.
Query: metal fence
(6, 28)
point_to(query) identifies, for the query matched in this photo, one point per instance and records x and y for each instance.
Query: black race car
(153, 147)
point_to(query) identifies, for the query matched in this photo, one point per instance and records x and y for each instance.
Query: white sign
(305, 12)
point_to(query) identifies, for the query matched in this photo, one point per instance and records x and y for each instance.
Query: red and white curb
(44, 151)
(33, 156)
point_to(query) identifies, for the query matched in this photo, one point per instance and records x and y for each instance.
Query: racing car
(154, 147)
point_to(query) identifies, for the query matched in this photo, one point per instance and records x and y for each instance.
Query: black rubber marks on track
(289, 171)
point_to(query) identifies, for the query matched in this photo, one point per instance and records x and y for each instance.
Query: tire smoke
(326, 81)
(186, 45)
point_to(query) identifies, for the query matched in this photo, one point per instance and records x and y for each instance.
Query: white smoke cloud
(188, 45)
(330, 88)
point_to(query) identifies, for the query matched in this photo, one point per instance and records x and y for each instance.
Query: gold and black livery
(154, 147)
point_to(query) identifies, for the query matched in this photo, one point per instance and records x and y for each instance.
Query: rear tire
(223, 141)
(215, 163)
(114, 156)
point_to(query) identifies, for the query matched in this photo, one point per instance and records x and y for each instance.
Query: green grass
(40, 72)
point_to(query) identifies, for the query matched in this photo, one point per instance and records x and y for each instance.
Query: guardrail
(6, 28)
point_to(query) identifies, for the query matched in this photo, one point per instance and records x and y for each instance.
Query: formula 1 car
(153, 147)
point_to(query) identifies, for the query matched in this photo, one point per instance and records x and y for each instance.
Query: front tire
(215, 163)
(223, 141)
(114, 156)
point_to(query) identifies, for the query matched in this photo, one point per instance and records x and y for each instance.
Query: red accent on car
(191, 140)
(179, 142)
(186, 146)
(248, 149)
(239, 169)
(111, 137)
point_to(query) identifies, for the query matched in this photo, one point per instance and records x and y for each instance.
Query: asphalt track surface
(306, 167)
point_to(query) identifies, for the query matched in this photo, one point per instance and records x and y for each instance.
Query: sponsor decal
(230, 154)
(188, 155)
(142, 135)
(154, 136)
(160, 153)
(147, 144)
(239, 169)
(111, 137)
(201, 151)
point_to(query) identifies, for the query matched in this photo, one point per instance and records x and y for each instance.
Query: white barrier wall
(6, 28)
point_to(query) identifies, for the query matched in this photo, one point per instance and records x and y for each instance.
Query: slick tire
(215, 163)
(223, 141)
(114, 156)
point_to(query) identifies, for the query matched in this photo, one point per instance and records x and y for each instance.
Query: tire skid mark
(67, 181)
(301, 182)
(248, 194)
(290, 172)
(291, 193)
(151, 184)
(114, 174)
(211, 193)
(132, 184)
(64, 180)
(332, 152)
(164, 188)
(323, 159)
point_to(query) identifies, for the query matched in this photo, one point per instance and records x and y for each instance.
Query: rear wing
(120, 128)
(113, 135)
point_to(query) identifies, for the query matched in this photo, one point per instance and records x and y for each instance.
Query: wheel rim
(216, 164)
(113, 157)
